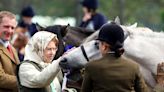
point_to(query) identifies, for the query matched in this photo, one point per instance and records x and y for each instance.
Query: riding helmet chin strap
(111, 52)
(84, 53)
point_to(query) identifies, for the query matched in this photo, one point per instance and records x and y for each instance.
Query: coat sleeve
(33, 78)
(140, 85)
(7, 81)
(87, 82)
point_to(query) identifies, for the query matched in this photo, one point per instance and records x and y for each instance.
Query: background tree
(146, 12)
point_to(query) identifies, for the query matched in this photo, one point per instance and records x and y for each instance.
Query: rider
(113, 72)
(27, 13)
(26, 28)
(92, 19)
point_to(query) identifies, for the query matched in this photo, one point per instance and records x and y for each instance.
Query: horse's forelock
(56, 29)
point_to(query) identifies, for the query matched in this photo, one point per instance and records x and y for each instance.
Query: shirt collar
(4, 43)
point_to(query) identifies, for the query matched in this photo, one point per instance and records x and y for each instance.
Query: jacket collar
(6, 52)
(112, 57)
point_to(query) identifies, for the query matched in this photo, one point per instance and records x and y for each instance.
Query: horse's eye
(97, 44)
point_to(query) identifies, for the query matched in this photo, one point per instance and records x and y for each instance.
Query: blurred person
(20, 39)
(113, 72)
(39, 72)
(91, 18)
(24, 30)
(26, 15)
(9, 59)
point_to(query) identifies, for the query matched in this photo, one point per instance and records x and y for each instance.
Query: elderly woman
(38, 73)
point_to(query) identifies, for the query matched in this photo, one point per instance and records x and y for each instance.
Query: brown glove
(160, 74)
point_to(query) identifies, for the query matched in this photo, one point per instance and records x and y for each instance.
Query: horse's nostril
(63, 60)
(63, 64)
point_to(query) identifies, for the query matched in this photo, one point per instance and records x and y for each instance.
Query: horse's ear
(134, 25)
(64, 30)
(68, 25)
(39, 28)
(117, 20)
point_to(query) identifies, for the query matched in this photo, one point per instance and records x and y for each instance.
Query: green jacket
(111, 74)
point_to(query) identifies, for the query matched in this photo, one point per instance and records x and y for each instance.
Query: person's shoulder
(100, 15)
(1, 45)
(93, 63)
(26, 66)
(129, 62)
(25, 63)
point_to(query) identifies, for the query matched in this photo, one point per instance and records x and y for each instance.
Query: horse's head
(76, 35)
(60, 31)
(78, 57)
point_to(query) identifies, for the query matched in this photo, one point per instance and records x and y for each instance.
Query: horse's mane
(145, 32)
(80, 29)
(146, 38)
(148, 34)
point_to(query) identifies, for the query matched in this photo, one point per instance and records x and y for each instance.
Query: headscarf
(36, 45)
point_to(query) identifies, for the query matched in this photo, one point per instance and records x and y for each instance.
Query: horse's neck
(147, 34)
(153, 38)
(91, 37)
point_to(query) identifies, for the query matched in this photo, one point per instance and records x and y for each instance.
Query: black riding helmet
(27, 11)
(91, 4)
(112, 34)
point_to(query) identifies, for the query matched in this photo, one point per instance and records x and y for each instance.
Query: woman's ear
(106, 47)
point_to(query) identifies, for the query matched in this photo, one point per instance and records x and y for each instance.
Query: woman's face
(49, 52)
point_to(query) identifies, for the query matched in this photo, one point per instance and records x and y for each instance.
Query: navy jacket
(98, 20)
(31, 28)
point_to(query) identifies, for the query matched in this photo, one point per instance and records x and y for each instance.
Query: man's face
(7, 27)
